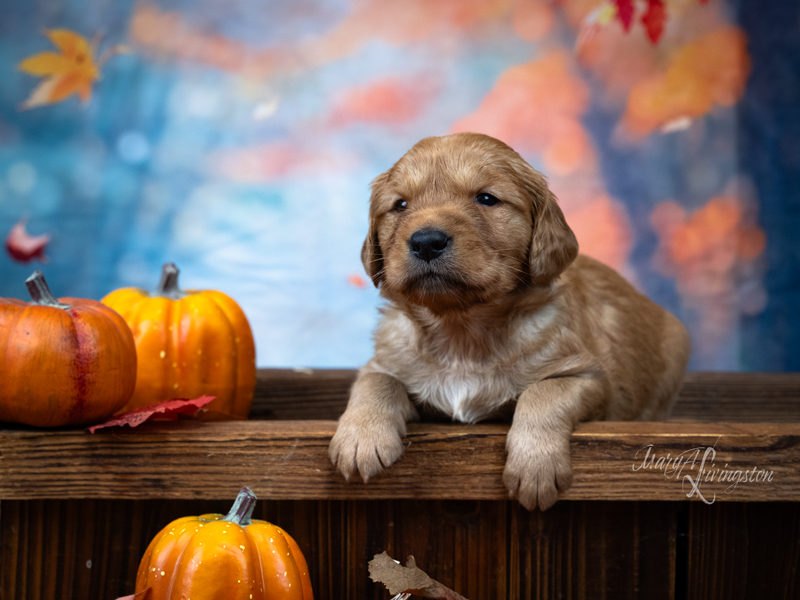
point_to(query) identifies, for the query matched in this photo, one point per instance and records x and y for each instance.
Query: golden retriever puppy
(490, 307)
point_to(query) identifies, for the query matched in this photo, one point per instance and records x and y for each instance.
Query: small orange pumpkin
(69, 361)
(189, 343)
(234, 557)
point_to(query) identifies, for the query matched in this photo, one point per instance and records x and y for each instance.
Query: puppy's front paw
(365, 445)
(538, 467)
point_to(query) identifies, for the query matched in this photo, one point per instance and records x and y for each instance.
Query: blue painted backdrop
(238, 139)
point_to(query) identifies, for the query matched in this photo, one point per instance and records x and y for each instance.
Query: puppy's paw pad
(364, 450)
(535, 473)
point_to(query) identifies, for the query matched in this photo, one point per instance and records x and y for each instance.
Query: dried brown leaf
(409, 579)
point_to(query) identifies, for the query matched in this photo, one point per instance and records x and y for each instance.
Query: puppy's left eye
(485, 199)
(400, 205)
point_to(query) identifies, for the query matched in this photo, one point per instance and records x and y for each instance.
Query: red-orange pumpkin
(189, 343)
(69, 361)
(234, 557)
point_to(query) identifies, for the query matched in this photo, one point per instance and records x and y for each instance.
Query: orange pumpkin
(189, 343)
(69, 361)
(234, 557)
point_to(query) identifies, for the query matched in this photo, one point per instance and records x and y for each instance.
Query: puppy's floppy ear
(371, 253)
(553, 244)
(372, 256)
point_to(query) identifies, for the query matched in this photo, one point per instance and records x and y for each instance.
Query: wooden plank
(613, 550)
(300, 394)
(65, 549)
(288, 460)
(740, 397)
(481, 549)
(739, 551)
(287, 394)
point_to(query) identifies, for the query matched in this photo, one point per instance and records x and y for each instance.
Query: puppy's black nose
(428, 243)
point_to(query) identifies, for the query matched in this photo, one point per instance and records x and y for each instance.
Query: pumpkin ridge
(142, 573)
(139, 305)
(81, 364)
(170, 352)
(255, 556)
(302, 565)
(245, 373)
(31, 320)
(126, 350)
(178, 561)
(273, 545)
(9, 329)
(182, 377)
(218, 327)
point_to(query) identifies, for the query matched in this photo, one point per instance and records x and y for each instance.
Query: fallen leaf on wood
(168, 410)
(407, 580)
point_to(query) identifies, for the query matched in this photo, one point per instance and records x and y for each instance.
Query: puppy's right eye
(400, 205)
(485, 199)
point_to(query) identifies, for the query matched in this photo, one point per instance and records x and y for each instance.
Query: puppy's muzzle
(428, 244)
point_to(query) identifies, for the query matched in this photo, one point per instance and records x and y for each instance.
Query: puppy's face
(460, 220)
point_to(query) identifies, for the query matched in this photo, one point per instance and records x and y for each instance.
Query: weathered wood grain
(69, 498)
(288, 460)
(288, 394)
(64, 549)
(91, 548)
(737, 551)
(740, 397)
(598, 550)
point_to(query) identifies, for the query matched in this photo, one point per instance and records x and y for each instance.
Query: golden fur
(508, 316)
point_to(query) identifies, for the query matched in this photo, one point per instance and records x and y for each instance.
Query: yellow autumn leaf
(45, 63)
(71, 44)
(73, 70)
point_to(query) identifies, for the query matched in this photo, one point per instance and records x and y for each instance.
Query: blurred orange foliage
(532, 19)
(711, 71)
(715, 237)
(711, 254)
(389, 101)
(536, 108)
(402, 21)
(268, 162)
(168, 34)
(603, 230)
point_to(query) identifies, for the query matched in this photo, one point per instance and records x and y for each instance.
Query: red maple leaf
(625, 13)
(24, 247)
(166, 410)
(653, 19)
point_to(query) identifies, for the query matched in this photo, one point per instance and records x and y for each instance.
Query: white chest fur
(467, 390)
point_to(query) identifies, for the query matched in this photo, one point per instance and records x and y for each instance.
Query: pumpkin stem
(168, 286)
(40, 291)
(242, 508)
